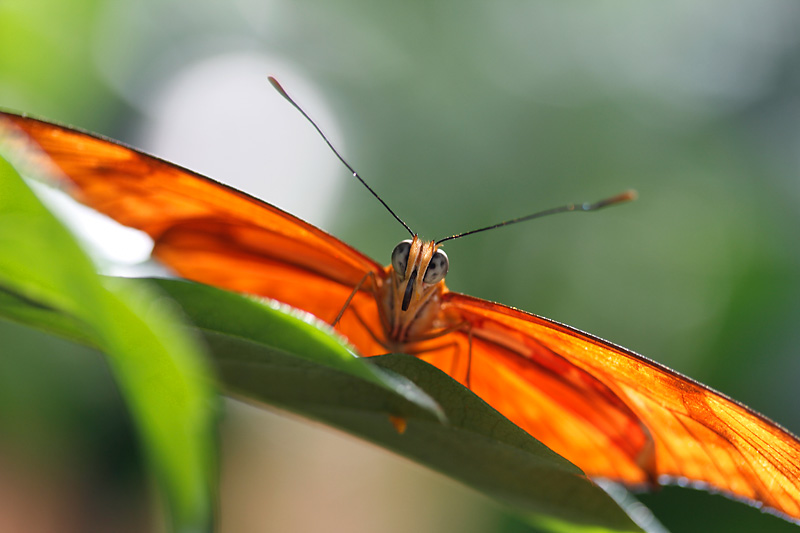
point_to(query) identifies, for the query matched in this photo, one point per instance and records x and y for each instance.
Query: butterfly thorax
(410, 297)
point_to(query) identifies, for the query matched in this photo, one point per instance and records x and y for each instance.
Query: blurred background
(461, 114)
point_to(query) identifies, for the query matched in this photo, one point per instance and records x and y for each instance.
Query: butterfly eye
(400, 257)
(437, 268)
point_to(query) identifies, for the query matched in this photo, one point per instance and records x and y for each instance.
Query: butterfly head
(417, 269)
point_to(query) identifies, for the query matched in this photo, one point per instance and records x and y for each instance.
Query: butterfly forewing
(154, 196)
(258, 261)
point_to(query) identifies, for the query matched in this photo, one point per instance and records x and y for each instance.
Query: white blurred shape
(222, 118)
(117, 249)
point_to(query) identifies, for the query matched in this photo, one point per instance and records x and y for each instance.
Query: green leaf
(475, 445)
(47, 280)
(282, 328)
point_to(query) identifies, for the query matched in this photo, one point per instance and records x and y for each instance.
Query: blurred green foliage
(47, 281)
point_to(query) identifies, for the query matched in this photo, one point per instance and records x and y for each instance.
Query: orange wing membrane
(613, 413)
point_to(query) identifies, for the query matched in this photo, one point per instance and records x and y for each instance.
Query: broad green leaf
(46, 279)
(283, 328)
(475, 445)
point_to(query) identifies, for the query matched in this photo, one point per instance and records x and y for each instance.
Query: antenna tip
(628, 196)
(278, 87)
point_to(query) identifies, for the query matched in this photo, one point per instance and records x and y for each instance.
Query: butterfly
(614, 413)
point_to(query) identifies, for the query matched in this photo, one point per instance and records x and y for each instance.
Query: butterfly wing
(619, 415)
(244, 258)
(203, 229)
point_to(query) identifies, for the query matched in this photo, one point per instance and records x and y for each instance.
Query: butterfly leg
(352, 295)
(455, 356)
(469, 358)
(455, 347)
(368, 329)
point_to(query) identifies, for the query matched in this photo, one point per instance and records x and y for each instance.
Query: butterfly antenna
(283, 93)
(626, 196)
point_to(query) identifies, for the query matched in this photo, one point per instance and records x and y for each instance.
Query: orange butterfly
(612, 412)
